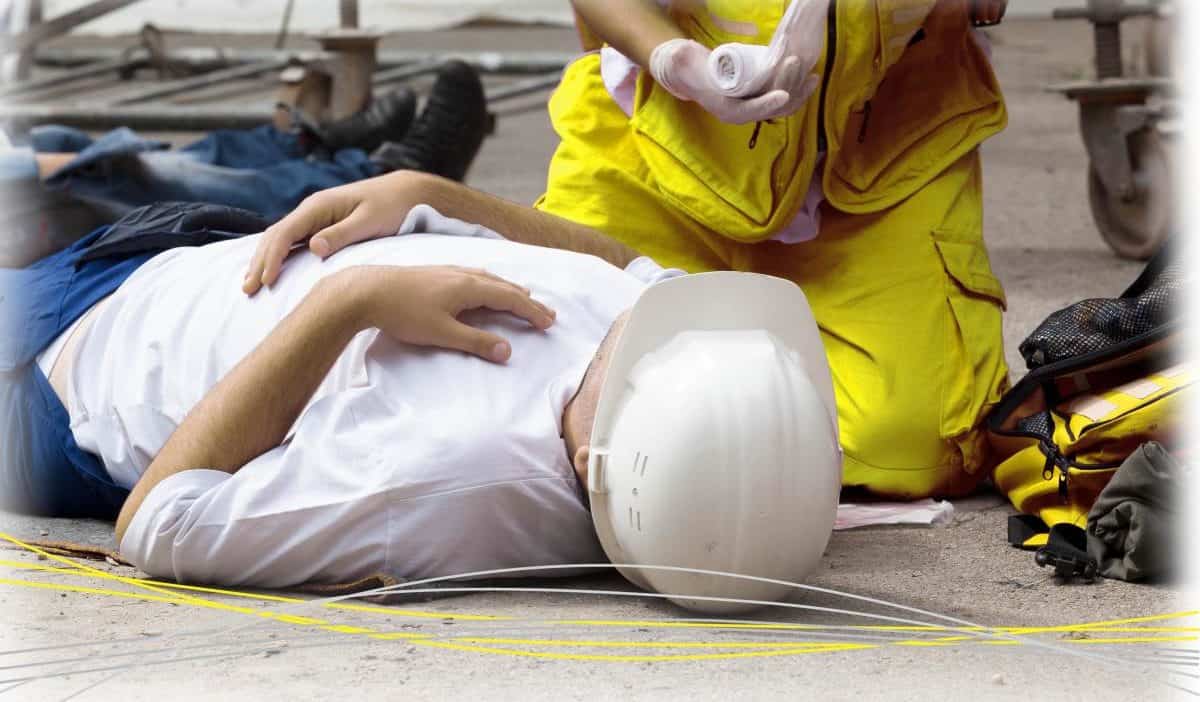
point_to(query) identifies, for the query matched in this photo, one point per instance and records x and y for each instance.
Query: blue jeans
(262, 170)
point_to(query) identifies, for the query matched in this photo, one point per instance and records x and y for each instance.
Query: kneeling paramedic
(424, 405)
(854, 171)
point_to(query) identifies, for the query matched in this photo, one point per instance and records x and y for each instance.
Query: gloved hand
(681, 67)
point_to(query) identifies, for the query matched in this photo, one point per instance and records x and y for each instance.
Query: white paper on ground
(747, 70)
(925, 512)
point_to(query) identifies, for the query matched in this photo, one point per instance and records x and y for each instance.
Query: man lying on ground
(314, 432)
(63, 182)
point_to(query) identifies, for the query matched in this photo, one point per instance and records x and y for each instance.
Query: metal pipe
(145, 117)
(88, 71)
(1104, 11)
(527, 62)
(1107, 41)
(194, 57)
(524, 87)
(192, 117)
(20, 68)
(400, 73)
(202, 81)
(60, 25)
(348, 12)
(285, 24)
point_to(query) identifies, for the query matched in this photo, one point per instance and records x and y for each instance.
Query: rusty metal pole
(24, 62)
(348, 12)
(1106, 17)
(1107, 38)
(183, 85)
(60, 25)
(203, 58)
(351, 64)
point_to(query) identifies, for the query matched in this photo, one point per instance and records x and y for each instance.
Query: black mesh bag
(1093, 344)
(1093, 327)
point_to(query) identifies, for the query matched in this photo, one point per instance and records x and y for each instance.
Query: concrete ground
(127, 640)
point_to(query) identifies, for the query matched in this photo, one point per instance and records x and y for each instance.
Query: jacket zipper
(1066, 464)
(830, 56)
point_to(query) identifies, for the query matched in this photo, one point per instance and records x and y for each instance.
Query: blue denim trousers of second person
(262, 169)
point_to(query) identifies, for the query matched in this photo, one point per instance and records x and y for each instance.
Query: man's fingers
(337, 236)
(277, 250)
(466, 338)
(252, 283)
(492, 276)
(505, 297)
(312, 215)
(502, 296)
(253, 280)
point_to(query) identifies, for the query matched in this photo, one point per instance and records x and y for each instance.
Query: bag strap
(1164, 256)
(1023, 527)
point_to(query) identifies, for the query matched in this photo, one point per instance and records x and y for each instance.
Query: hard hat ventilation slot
(639, 464)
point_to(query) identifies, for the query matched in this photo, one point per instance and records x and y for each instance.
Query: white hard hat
(715, 443)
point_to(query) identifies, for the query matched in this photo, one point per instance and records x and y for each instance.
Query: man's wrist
(348, 297)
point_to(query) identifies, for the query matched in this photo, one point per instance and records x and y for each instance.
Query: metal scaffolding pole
(348, 13)
(197, 117)
(529, 62)
(87, 71)
(399, 73)
(145, 117)
(60, 25)
(524, 87)
(176, 87)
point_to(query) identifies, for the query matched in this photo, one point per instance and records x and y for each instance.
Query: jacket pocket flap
(967, 264)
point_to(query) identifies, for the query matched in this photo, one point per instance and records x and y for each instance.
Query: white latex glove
(681, 67)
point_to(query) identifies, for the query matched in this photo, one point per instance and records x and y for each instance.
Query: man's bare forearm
(251, 410)
(515, 222)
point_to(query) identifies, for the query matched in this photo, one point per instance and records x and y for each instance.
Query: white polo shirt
(414, 462)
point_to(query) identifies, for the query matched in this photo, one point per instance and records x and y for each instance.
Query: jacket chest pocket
(937, 99)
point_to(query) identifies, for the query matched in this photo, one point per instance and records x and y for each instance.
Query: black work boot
(387, 118)
(446, 137)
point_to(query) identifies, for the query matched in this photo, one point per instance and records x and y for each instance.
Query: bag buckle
(1066, 552)
(1066, 566)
